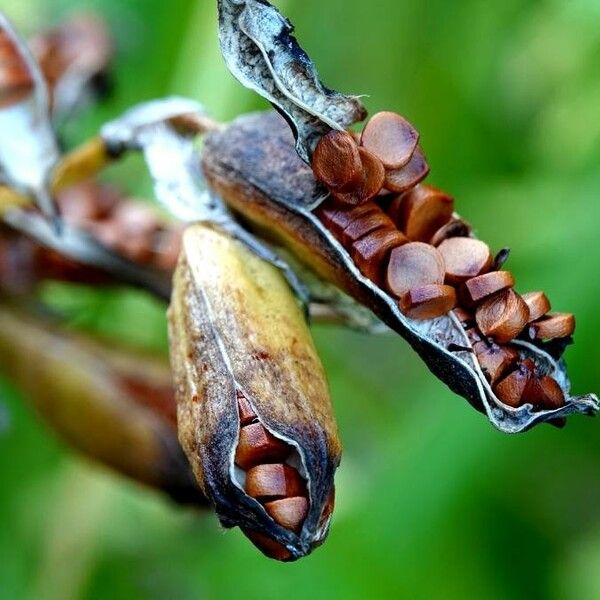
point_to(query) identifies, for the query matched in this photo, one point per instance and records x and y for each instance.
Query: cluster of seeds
(15, 80)
(405, 237)
(269, 478)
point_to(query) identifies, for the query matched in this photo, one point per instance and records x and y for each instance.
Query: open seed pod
(114, 406)
(254, 413)
(253, 165)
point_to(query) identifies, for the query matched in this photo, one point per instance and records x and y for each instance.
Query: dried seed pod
(391, 138)
(511, 389)
(465, 258)
(252, 164)
(482, 287)
(454, 228)
(496, 360)
(401, 180)
(503, 316)
(428, 302)
(425, 209)
(236, 329)
(337, 162)
(115, 406)
(373, 175)
(538, 305)
(413, 265)
(371, 252)
(553, 326)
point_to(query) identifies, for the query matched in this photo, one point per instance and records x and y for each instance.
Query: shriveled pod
(254, 413)
(116, 406)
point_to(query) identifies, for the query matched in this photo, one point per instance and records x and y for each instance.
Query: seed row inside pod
(270, 478)
(408, 241)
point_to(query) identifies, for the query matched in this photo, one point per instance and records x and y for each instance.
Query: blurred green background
(432, 501)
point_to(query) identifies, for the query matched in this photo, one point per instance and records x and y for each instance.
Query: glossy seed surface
(289, 512)
(256, 445)
(336, 161)
(465, 258)
(425, 209)
(371, 252)
(482, 287)
(403, 179)
(503, 316)
(370, 184)
(273, 481)
(428, 302)
(553, 326)
(538, 304)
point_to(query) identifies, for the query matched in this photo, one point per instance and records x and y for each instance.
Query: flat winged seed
(544, 393)
(336, 217)
(424, 210)
(465, 258)
(538, 304)
(454, 228)
(413, 265)
(371, 252)
(261, 52)
(511, 389)
(336, 161)
(257, 445)
(550, 327)
(496, 360)
(401, 180)
(394, 208)
(370, 184)
(482, 287)
(365, 225)
(288, 512)
(391, 138)
(503, 316)
(428, 302)
(272, 481)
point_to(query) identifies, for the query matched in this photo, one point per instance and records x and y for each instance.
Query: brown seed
(502, 316)
(371, 183)
(361, 227)
(511, 389)
(424, 210)
(268, 546)
(273, 481)
(481, 287)
(538, 304)
(558, 325)
(403, 179)
(289, 512)
(394, 209)
(337, 217)
(246, 412)
(371, 252)
(455, 228)
(428, 302)
(391, 138)
(257, 446)
(464, 316)
(465, 258)
(545, 393)
(496, 360)
(413, 265)
(336, 161)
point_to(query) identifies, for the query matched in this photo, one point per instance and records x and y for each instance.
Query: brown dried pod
(337, 162)
(391, 138)
(511, 389)
(482, 287)
(373, 175)
(454, 228)
(428, 302)
(236, 330)
(413, 265)
(371, 252)
(553, 326)
(465, 258)
(424, 210)
(503, 316)
(538, 305)
(401, 180)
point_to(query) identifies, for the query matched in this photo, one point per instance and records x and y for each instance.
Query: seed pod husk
(117, 407)
(253, 166)
(237, 330)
